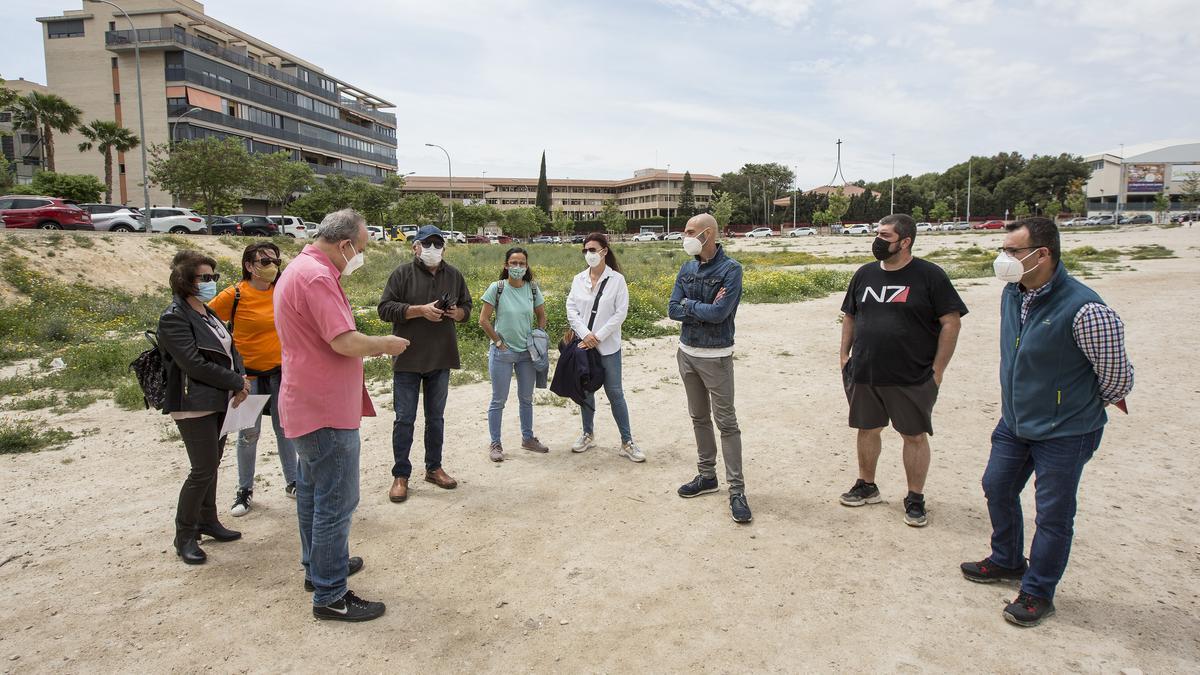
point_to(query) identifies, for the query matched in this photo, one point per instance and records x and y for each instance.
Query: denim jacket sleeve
(675, 308)
(719, 311)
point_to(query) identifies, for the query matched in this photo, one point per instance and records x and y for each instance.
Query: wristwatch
(497, 343)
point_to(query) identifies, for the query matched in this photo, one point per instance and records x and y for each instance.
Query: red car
(46, 213)
(989, 225)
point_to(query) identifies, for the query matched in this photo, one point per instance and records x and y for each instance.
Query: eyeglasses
(433, 244)
(263, 262)
(1015, 250)
(588, 249)
(208, 277)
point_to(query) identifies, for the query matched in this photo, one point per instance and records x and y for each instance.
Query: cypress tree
(687, 197)
(543, 189)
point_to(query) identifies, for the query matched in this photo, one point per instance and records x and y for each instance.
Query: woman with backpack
(512, 304)
(249, 308)
(596, 308)
(203, 372)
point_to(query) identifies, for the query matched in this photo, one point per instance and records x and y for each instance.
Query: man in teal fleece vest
(1062, 361)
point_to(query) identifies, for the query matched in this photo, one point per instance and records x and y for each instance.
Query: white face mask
(432, 257)
(353, 263)
(693, 245)
(1010, 270)
(593, 259)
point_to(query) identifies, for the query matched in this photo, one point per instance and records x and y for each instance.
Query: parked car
(477, 239)
(758, 232)
(578, 238)
(499, 239)
(310, 229)
(44, 213)
(290, 226)
(858, 228)
(454, 236)
(803, 232)
(1074, 222)
(924, 227)
(645, 236)
(673, 236)
(1105, 220)
(1141, 219)
(256, 226)
(115, 218)
(1186, 217)
(221, 225)
(176, 220)
(375, 233)
(989, 225)
(542, 239)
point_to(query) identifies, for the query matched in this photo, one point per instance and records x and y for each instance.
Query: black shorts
(908, 407)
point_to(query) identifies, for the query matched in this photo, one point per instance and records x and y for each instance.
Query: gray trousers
(709, 387)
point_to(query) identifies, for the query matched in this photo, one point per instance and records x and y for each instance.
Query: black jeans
(198, 497)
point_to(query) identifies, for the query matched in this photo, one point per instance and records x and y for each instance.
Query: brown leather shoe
(399, 491)
(440, 478)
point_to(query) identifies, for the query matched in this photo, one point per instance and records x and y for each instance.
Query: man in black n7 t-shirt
(902, 317)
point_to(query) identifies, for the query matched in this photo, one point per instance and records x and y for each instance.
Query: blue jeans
(501, 364)
(247, 442)
(1058, 463)
(326, 496)
(405, 389)
(616, 399)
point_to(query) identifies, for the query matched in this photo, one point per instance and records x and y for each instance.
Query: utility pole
(750, 190)
(892, 206)
(794, 188)
(968, 192)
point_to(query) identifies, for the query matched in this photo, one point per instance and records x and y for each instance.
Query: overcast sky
(606, 87)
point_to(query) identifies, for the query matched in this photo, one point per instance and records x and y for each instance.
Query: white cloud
(786, 13)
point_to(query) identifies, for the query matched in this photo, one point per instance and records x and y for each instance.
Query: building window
(117, 98)
(112, 25)
(121, 168)
(114, 63)
(5, 117)
(65, 29)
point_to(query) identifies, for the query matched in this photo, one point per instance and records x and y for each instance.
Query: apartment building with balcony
(649, 193)
(200, 78)
(21, 147)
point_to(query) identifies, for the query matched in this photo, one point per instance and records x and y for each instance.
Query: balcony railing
(178, 74)
(274, 132)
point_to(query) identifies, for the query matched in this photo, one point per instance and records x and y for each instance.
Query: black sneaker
(914, 510)
(290, 489)
(987, 572)
(356, 564)
(698, 486)
(1028, 610)
(862, 493)
(350, 608)
(739, 508)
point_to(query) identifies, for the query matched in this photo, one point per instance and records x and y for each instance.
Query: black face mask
(882, 249)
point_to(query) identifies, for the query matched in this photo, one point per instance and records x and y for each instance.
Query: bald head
(699, 223)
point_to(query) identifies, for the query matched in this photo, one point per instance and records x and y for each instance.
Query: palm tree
(45, 114)
(107, 136)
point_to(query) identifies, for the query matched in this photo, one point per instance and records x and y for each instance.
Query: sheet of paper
(245, 415)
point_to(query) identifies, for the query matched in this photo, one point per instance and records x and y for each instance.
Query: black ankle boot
(218, 531)
(189, 550)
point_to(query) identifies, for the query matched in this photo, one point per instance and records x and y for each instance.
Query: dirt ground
(589, 563)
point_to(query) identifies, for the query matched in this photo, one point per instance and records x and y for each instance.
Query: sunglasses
(433, 244)
(263, 262)
(208, 277)
(588, 249)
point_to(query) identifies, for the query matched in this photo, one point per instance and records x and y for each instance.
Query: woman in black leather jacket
(204, 370)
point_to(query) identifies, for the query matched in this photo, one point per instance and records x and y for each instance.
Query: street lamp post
(137, 61)
(892, 198)
(668, 199)
(177, 119)
(450, 174)
(794, 188)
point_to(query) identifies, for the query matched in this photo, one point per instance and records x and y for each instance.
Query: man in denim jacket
(705, 300)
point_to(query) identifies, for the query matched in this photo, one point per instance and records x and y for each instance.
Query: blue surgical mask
(516, 273)
(206, 290)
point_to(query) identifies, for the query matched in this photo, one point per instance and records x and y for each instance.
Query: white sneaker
(633, 452)
(585, 441)
(241, 505)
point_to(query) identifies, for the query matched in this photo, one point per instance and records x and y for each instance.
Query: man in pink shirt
(322, 400)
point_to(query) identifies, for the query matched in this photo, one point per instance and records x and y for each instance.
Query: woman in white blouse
(602, 332)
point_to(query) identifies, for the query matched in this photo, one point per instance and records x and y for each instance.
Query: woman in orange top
(249, 305)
